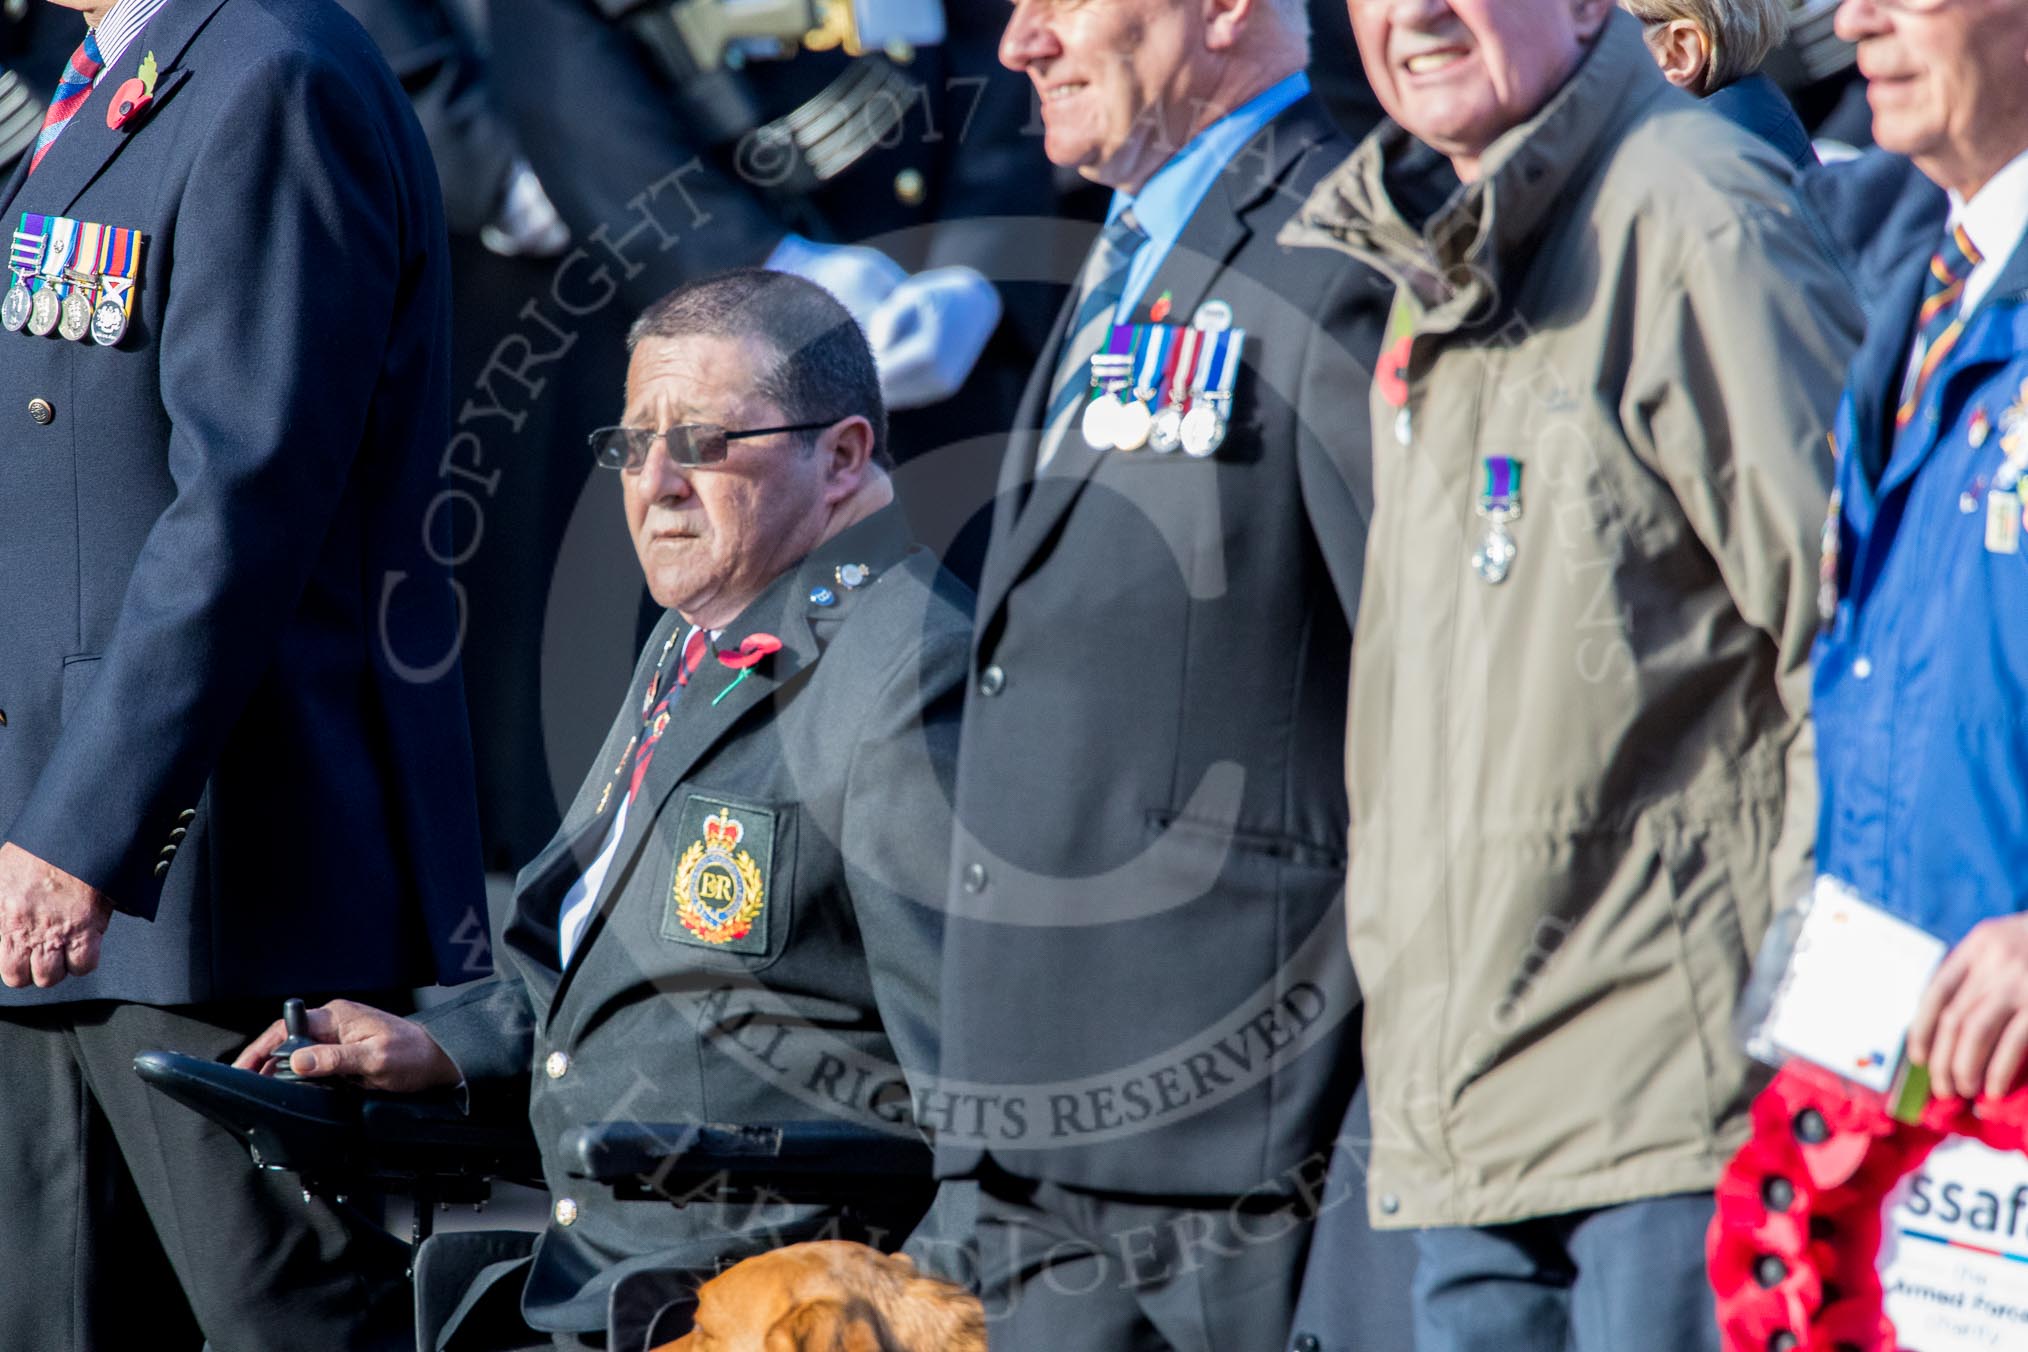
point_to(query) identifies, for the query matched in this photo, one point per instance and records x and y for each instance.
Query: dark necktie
(1940, 320)
(1102, 283)
(657, 704)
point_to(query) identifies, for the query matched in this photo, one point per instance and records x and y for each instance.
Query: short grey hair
(1741, 33)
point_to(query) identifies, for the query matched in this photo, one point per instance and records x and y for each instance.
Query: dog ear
(830, 1326)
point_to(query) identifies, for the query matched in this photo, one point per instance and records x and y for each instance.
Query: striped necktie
(1939, 322)
(657, 703)
(1103, 283)
(71, 92)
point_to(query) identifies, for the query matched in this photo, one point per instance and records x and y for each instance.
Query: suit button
(161, 867)
(992, 680)
(169, 851)
(566, 1211)
(1389, 1204)
(1404, 427)
(177, 835)
(909, 189)
(556, 1066)
(1863, 668)
(975, 878)
(3, 718)
(1307, 1342)
(186, 816)
(42, 411)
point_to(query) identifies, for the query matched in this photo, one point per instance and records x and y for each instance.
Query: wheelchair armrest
(795, 1161)
(417, 1142)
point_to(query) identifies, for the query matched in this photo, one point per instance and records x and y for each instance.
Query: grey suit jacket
(765, 946)
(1143, 992)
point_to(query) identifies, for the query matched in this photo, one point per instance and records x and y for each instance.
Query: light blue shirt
(1168, 200)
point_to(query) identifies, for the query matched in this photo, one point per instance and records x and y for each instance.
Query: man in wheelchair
(737, 921)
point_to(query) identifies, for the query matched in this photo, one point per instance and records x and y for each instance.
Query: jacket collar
(1453, 263)
(1997, 333)
(1029, 504)
(88, 145)
(718, 698)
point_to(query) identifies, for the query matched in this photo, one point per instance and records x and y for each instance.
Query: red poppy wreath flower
(750, 651)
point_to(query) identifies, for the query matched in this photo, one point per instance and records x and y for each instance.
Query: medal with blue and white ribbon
(46, 310)
(1136, 418)
(25, 260)
(1499, 506)
(1204, 426)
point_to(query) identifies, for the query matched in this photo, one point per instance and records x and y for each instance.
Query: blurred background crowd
(590, 162)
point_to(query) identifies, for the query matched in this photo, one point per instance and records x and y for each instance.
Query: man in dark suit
(739, 919)
(1151, 846)
(231, 722)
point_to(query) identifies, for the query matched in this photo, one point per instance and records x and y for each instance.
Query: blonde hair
(1740, 33)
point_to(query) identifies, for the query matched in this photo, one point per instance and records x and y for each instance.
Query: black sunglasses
(690, 444)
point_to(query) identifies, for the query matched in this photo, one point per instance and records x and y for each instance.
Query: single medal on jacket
(122, 264)
(24, 261)
(82, 279)
(1111, 368)
(1166, 436)
(1499, 507)
(46, 312)
(1136, 418)
(1204, 427)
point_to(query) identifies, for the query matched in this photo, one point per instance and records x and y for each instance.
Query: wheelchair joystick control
(295, 1019)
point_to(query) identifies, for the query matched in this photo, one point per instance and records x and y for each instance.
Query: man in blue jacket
(233, 753)
(1922, 672)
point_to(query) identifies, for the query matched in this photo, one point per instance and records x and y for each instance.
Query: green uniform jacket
(1577, 793)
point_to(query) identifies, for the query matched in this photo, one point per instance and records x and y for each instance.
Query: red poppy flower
(130, 100)
(751, 650)
(1391, 376)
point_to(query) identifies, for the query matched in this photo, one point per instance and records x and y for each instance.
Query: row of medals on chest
(1195, 368)
(89, 308)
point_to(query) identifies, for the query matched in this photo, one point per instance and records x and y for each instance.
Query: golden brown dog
(831, 1296)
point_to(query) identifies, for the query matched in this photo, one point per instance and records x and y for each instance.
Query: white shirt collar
(117, 31)
(1996, 218)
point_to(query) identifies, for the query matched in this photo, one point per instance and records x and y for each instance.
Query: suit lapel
(1017, 468)
(1218, 229)
(1878, 370)
(88, 145)
(718, 697)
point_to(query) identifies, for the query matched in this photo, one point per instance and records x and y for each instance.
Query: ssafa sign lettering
(1954, 1251)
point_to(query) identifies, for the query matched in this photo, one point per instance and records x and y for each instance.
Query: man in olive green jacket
(1580, 763)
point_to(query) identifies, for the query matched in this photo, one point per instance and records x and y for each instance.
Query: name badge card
(1849, 987)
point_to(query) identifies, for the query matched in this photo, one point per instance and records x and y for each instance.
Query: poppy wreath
(1793, 1252)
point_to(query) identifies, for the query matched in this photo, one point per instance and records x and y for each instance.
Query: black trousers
(1062, 1270)
(104, 1180)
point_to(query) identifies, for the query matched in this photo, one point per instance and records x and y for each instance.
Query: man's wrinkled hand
(379, 1050)
(50, 922)
(1971, 1030)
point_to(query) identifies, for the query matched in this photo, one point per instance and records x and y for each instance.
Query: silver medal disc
(109, 323)
(1203, 431)
(1167, 433)
(44, 313)
(77, 317)
(1131, 426)
(1495, 555)
(1099, 416)
(14, 309)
